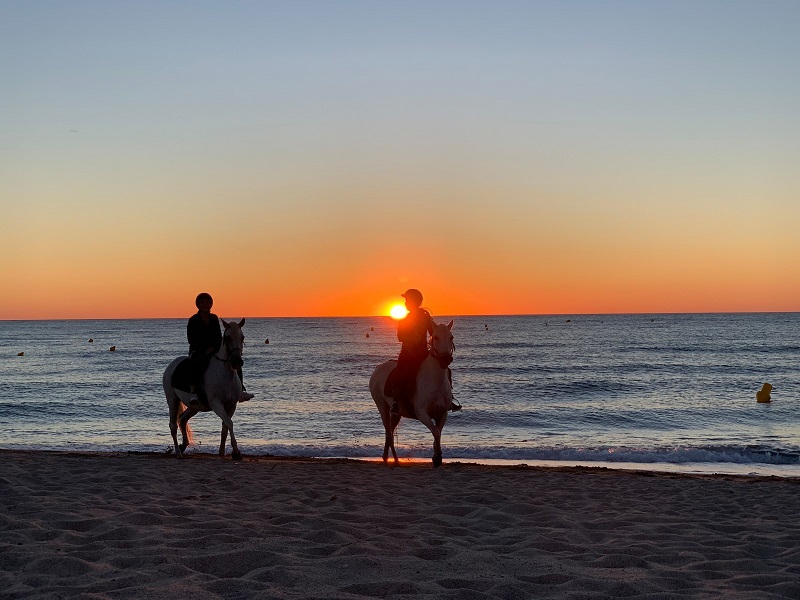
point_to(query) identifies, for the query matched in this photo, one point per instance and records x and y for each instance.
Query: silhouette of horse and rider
(418, 385)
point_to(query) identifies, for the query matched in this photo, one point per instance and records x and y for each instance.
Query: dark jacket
(413, 330)
(202, 335)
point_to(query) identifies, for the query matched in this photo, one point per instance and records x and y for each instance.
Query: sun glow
(398, 311)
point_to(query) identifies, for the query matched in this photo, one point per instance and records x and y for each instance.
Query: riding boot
(400, 396)
(193, 399)
(454, 405)
(397, 397)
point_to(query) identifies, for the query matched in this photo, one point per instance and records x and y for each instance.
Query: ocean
(672, 392)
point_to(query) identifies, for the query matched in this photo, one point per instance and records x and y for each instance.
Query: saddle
(394, 388)
(403, 391)
(182, 380)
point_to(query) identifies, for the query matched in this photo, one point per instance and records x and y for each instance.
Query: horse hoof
(236, 455)
(437, 460)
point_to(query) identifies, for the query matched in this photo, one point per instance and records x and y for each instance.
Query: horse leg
(227, 423)
(174, 402)
(223, 438)
(387, 443)
(394, 421)
(437, 441)
(390, 422)
(436, 430)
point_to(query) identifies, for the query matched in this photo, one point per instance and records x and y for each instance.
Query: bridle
(229, 353)
(444, 360)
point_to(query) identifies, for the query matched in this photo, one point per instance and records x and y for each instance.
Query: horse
(223, 389)
(431, 399)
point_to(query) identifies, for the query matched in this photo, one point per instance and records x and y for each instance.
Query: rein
(223, 360)
(436, 355)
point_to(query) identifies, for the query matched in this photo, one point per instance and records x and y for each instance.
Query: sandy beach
(147, 526)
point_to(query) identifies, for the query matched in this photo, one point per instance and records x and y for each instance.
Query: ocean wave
(753, 456)
(675, 455)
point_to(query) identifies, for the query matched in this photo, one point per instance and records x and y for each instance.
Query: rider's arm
(192, 335)
(216, 335)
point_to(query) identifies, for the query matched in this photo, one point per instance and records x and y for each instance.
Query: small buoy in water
(113, 349)
(367, 335)
(91, 341)
(372, 329)
(763, 394)
(21, 354)
(266, 341)
(569, 320)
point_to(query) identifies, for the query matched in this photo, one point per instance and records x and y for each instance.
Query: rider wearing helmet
(205, 338)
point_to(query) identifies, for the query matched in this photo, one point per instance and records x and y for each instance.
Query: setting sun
(398, 311)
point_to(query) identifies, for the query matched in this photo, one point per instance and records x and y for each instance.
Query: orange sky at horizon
(529, 158)
(320, 261)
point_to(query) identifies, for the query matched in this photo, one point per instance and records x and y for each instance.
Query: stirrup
(455, 406)
(194, 400)
(245, 396)
(395, 408)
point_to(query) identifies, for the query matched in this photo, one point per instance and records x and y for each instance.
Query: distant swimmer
(762, 396)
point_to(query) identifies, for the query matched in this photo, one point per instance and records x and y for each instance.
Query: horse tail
(189, 432)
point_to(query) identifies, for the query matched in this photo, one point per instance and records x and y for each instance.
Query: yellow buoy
(763, 394)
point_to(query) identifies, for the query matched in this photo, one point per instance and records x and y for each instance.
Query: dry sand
(145, 526)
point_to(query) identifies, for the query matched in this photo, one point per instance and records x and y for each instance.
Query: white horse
(223, 389)
(432, 396)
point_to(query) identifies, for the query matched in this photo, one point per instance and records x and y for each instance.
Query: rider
(205, 338)
(412, 332)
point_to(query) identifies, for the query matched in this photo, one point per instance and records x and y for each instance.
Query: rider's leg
(198, 363)
(401, 375)
(196, 375)
(453, 406)
(407, 366)
(400, 396)
(244, 396)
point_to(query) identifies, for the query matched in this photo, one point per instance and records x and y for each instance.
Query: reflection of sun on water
(398, 311)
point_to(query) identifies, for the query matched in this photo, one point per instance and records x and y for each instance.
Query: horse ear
(450, 325)
(225, 324)
(241, 323)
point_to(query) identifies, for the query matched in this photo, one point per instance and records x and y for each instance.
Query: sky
(317, 158)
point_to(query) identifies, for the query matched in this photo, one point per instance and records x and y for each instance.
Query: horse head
(442, 346)
(233, 340)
